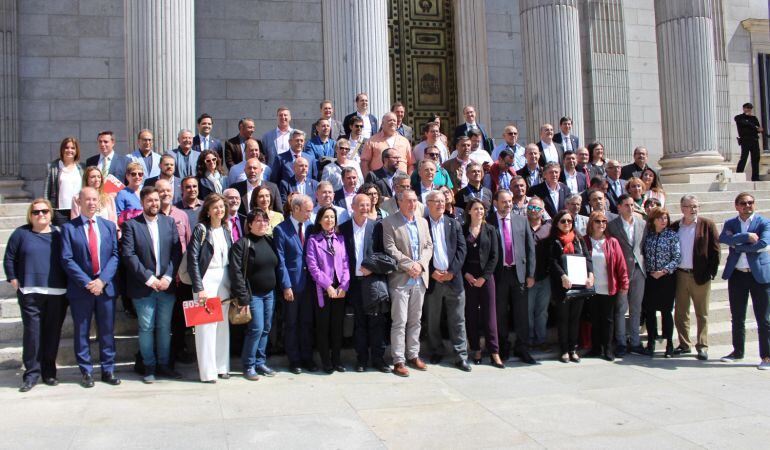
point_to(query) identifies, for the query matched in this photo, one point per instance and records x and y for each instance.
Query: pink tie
(508, 243)
(93, 247)
(236, 234)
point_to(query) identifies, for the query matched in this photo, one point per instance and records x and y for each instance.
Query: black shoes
(223, 376)
(525, 357)
(265, 371)
(682, 350)
(703, 354)
(110, 378)
(608, 356)
(295, 369)
(51, 381)
(310, 366)
(384, 368)
(87, 381)
(669, 350)
(27, 386)
(638, 350)
(463, 365)
(167, 372)
(435, 359)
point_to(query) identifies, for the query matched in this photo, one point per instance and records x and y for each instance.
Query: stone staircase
(716, 205)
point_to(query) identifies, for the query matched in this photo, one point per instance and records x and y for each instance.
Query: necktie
(93, 247)
(508, 243)
(105, 161)
(205, 143)
(236, 233)
(301, 235)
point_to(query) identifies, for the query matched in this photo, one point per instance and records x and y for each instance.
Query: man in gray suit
(406, 238)
(628, 228)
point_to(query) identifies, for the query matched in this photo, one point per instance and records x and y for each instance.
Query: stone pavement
(631, 403)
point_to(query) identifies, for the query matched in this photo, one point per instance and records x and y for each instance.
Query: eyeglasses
(602, 221)
(210, 160)
(534, 208)
(37, 212)
(565, 221)
(260, 220)
(746, 203)
(344, 148)
(432, 155)
(691, 206)
(136, 174)
(358, 126)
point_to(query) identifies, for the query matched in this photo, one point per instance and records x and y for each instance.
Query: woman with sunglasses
(210, 174)
(32, 264)
(333, 172)
(64, 180)
(127, 203)
(371, 189)
(565, 240)
(610, 279)
(662, 254)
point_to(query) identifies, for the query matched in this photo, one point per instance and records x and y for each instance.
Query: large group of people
(466, 237)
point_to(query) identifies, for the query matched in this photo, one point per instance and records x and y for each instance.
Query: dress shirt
(554, 193)
(359, 234)
(424, 191)
(502, 239)
(534, 176)
(152, 227)
(550, 153)
(687, 243)
(571, 181)
(106, 161)
(349, 198)
(414, 242)
(520, 210)
(440, 257)
(566, 141)
(367, 131)
(629, 229)
(204, 142)
(481, 156)
(519, 159)
(249, 190)
(183, 165)
(282, 140)
(98, 235)
(464, 177)
(615, 186)
(301, 186)
(743, 261)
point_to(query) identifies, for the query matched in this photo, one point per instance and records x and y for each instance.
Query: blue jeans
(154, 318)
(255, 343)
(539, 298)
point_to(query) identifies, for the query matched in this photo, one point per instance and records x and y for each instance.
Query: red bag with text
(195, 314)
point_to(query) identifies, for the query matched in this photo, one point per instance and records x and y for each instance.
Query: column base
(764, 166)
(12, 191)
(702, 167)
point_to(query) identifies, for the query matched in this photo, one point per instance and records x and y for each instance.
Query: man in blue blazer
(470, 124)
(277, 140)
(145, 155)
(90, 260)
(151, 252)
(290, 236)
(283, 169)
(568, 141)
(300, 182)
(747, 271)
(203, 140)
(109, 162)
(551, 184)
(185, 155)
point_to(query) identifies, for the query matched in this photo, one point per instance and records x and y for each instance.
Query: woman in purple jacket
(327, 262)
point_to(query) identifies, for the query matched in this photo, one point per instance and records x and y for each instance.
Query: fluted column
(686, 69)
(553, 88)
(472, 60)
(160, 68)
(355, 35)
(9, 90)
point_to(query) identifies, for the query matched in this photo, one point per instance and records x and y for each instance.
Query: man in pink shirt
(388, 137)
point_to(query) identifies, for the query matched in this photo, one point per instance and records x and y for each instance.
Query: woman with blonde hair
(92, 177)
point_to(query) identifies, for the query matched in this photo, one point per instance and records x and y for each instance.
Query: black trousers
(601, 308)
(370, 329)
(511, 304)
(182, 292)
(750, 147)
(42, 317)
(739, 286)
(659, 295)
(568, 323)
(328, 327)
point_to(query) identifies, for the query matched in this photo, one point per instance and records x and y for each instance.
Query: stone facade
(253, 55)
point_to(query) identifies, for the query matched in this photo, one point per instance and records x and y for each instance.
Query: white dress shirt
(743, 261)
(549, 151)
(367, 131)
(282, 140)
(440, 257)
(571, 181)
(359, 234)
(687, 243)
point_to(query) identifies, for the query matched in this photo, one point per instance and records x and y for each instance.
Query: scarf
(215, 180)
(566, 242)
(329, 237)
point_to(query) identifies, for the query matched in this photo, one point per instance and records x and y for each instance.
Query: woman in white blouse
(333, 172)
(65, 175)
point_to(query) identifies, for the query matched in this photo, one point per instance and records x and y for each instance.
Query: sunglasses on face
(746, 203)
(358, 126)
(136, 174)
(534, 208)
(563, 221)
(432, 155)
(602, 221)
(37, 212)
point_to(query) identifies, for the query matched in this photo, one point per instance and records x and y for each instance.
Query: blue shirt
(320, 149)
(414, 241)
(127, 199)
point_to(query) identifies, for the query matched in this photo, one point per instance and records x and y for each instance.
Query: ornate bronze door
(422, 61)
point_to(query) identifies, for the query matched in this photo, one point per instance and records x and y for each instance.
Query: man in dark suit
(749, 132)
(474, 189)
(289, 237)
(300, 182)
(383, 177)
(237, 221)
(575, 180)
(446, 283)
(616, 186)
(362, 110)
(185, 155)
(203, 140)
(253, 171)
(90, 260)
(515, 273)
(151, 252)
(532, 172)
(327, 112)
(470, 124)
(235, 146)
(550, 151)
(109, 162)
(344, 197)
(403, 129)
(370, 326)
(167, 170)
(570, 142)
(284, 164)
(553, 193)
(636, 168)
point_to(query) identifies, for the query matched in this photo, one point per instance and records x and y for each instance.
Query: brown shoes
(400, 370)
(417, 363)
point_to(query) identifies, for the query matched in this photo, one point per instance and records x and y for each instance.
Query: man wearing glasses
(383, 177)
(747, 271)
(511, 143)
(433, 153)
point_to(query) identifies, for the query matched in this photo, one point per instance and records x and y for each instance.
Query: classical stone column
(686, 69)
(9, 90)
(472, 59)
(159, 69)
(553, 88)
(355, 35)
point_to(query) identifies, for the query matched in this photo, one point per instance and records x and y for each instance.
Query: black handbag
(579, 292)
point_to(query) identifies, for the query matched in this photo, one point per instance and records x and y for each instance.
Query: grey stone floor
(633, 403)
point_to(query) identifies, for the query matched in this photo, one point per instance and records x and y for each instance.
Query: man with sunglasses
(432, 153)
(747, 271)
(511, 143)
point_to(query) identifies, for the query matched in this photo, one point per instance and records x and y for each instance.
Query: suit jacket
(462, 130)
(206, 187)
(453, 167)
(117, 165)
(275, 195)
(233, 152)
(192, 160)
(292, 270)
(324, 266)
(339, 198)
(346, 229)
(582, 182)
(541, 190)
(633, 253)
(574, 140)
(372, 121)
(612, 197)
(525, 172)
(149, 172)
(380, 178)
(705, 250)
(559, 151)
(283, 168)
(268, 145)
(756, 253)
(76, 257)
(291, 185)
(464, 195)
(177, 187)
(395, 239)
(523, 247)
(631, 170)
(455, 250)
(337, 130)
(138, 257)
(406, 131)
(488, 248)
(214, 144)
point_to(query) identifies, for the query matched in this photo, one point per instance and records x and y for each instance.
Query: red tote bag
(195, 314)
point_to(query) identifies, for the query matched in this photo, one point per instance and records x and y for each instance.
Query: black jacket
(456, 251)
(557, 251)
(487, 242)
(240, 286)
(199, 253)
(374, 288)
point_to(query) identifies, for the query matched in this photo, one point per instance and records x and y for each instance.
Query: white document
(577, 270)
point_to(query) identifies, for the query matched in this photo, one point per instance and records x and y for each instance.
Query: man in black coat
(553, 193)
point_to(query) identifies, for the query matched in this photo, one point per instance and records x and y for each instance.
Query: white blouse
(599, 260)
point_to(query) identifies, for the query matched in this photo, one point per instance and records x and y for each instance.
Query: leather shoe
(310, 366)
(400, 370)
(296, 370)
(360, 368)
(223, 376)
(703, 355)
(574, 357)
(87, 381)
(167, 372)
(329, 369)
(265, 371)
(110, 378)
(526, 358)
(149, 378)
(340, 368)
(682, 350)
(435, 359)
(463, 365)
(384, 368)
(608, 356)
(417, 363)
(51, 381)
(27, 386)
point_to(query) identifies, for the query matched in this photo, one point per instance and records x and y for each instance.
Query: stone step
(720, 217)
(11, 329)
(736, 187)
(672, 197)
(9, 308)
(13, 209)
(12, 191)
(11, 222)
(125, 349)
